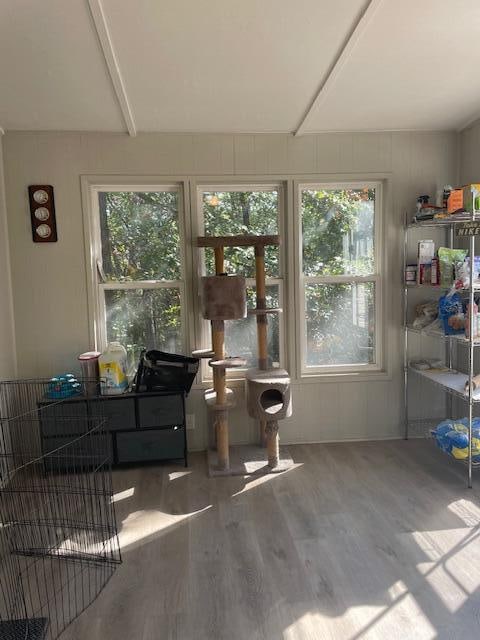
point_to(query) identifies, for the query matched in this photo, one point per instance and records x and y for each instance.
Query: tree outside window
(141, 288)
(339, 274)
(237, 211)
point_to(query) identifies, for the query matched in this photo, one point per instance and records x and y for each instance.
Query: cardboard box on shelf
(465, 199)
(426, 253)
(426, 250)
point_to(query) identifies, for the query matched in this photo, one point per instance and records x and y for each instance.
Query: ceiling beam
(339, 62)
(101, 27)
(468, 123)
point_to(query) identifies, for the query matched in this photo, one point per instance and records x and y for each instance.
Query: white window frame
(91, 186)
(204, 330)
(378, 278)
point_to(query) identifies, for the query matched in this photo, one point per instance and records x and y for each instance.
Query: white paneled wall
(7, 341)
(49, 281)
(469, 154)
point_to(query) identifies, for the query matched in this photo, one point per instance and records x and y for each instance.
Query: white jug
(112, 366)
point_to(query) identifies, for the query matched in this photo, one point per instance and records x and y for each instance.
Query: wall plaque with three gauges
(42, 213)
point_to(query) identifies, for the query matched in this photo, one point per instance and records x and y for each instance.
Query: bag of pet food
(450, 261)
(450, 311)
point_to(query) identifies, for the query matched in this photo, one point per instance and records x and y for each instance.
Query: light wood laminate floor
(365, 540)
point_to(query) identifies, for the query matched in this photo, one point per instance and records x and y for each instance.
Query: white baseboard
(343, 440)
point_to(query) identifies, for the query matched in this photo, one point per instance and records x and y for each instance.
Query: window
(242, 210)
(341, 278)
(139, 285)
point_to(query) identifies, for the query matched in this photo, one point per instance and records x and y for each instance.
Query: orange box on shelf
(455, 200)
(467, 198)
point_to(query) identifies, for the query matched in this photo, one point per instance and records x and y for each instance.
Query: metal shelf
(425, 286)
(462, 461)
(451, 381)
(423, 428)
(440, 288)
(443, 222)
(461, 339)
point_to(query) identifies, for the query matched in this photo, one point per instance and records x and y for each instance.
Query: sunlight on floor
(447, 556)
(299, 628)
(174, 475)
(404, 613)
(262, 479)
(397, 590)
(444, 566)
(369, 620)
(140, 525)
(467, 511)
(123, 495)
(447, 588)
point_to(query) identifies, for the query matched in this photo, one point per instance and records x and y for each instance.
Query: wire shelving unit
(455, 384)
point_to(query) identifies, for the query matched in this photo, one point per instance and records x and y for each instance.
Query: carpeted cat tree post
(223, 298)
(267, 389)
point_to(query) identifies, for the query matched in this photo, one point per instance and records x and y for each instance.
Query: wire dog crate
(58, 534)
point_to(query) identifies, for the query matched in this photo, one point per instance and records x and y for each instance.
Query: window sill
(315, 378)
(346, 376)
(231, 382)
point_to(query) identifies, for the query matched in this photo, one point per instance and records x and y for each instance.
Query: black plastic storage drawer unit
(152, 413)
(150, 444)
(119, 412)
(144, 427)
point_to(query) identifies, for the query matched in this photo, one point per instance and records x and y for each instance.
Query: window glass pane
(147, 318)
(241, 335)
(338, 231)
(340, 324)
(140, 235)
(228, 213)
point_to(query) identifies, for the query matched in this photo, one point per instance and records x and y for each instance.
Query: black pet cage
(58, 534)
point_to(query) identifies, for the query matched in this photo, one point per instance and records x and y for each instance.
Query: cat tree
(223, 298)
(267, 390)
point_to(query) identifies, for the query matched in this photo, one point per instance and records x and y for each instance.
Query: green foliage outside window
(140, 235)
(338, 239)
(229, 213)
(338, 232)
(141, 241)
(237, 213)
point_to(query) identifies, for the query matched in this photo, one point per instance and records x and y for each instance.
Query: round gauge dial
(40, 196)
(43, 231)
(42, 214)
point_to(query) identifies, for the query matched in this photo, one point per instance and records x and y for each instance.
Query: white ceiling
(415, 67)
(230, 66)
(52, 72)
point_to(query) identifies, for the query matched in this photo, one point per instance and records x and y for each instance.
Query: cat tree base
(248, 460)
